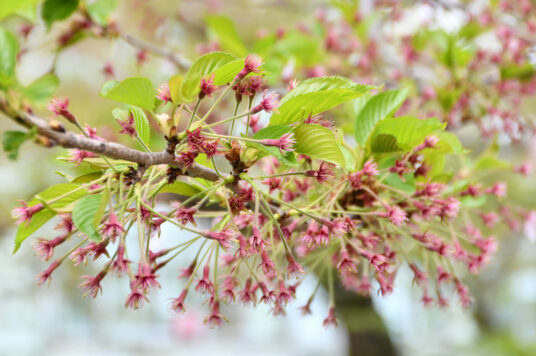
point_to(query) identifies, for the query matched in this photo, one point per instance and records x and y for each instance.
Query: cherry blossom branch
(109, 149)
(179, 61)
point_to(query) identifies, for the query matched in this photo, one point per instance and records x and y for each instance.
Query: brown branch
(112, 149)
(179, 61)
(105, 148)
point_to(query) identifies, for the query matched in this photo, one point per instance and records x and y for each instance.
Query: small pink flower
(146, 279)
(163, 93)
(108, 70)
(293, 84)
(395, 214)
(370, 169)
(77, 156)
(294, 269)
(306, 309)
(215, 318)
(346, 263)
(251, 65)
(135, 298)
(266, 264)
(58, 105)
(46, 274)
(207, 87)
(323, 174)
(45, 248)
(185, 215)
(66, 224)
(91, 286)
(120, 264)
(429, 142)
(112, 228)
(284, 143)
(269, 102)
(273, 183)
(330, 319)
(223, 237)
(498, 189)
(285, 294)
(128, 126)
(419, 277)
(247, 295)
(204, 285)
(25, 212)
(177, 304)
(187, 159)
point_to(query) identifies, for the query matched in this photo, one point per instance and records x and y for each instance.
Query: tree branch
(179, 61)
(105, 148)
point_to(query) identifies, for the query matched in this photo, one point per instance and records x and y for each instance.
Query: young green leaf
(11, 141)
(141, 123)
(100, 10)
(319, 142)
(42, 89)
(181, 188)
(55, 10)
(401, 133)
(377, 108)
(8, 7)
(83, 215)
(203, 67)
(8, 57)
(56, 191)
(223, 29)
(314, 96)
(134, 91)
(25, 230)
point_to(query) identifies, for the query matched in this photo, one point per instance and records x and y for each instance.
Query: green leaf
(319, 142)
(134, 91)
(226, 73)
(181, 188)
(12, 140)
(175, 84)
(203, 67)
(273, 132)
(87, 178)
(8, 57)
(55, 192)
(83, 215)
(41, 90)
(407, 185)
(8, 7)
(223, 29)
(141, 123)
(55, 10)
(39, 219)
(314, 96)
(521, 72)
(401, 133)
(349, 158)
(100, 10)
(377, 108)
(25, 230)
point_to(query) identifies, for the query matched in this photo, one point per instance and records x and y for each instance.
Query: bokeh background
(56, 320)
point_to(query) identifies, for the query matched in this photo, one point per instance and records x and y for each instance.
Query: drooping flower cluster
(280, 206)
